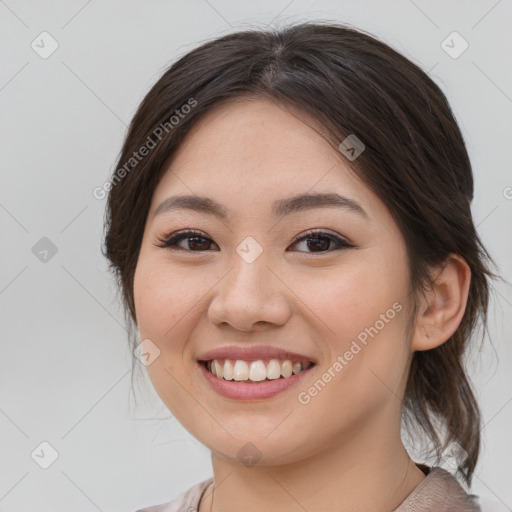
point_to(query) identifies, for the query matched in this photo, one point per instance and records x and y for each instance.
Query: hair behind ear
(438, 387)
(439, 398)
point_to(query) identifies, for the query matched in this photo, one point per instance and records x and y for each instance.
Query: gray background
(65, 365)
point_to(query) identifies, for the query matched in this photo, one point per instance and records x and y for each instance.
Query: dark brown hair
(415, 160)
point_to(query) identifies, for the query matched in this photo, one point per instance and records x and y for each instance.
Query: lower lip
(237, 390)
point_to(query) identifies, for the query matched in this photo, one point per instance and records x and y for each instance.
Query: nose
(250, 297)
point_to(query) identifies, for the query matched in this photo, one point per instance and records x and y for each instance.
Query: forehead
(253, 151)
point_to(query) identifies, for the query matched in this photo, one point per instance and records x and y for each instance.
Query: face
(256, 277)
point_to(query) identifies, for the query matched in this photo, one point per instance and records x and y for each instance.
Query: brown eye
(195, 241)
(320, 241)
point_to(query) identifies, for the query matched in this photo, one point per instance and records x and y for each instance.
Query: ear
(441, 308)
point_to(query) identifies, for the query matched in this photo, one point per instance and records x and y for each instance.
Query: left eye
(196, 241)
(321, 240)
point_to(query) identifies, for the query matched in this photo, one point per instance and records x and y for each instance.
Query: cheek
(355, 297)
(365, 311)
(168, 299)
(164, 303)
(159, 300)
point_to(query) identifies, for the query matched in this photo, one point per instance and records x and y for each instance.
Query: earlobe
(441, 308)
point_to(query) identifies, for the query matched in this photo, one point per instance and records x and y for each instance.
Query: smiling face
(319, 295)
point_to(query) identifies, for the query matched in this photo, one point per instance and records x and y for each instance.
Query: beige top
(439, 491)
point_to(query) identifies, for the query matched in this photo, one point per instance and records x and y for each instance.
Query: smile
(255, 371)
(242, 383)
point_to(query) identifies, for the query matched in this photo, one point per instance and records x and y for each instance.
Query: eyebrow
(280, 208)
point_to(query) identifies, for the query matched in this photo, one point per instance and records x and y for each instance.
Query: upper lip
(253, 354)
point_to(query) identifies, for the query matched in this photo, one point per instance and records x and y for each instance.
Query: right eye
(195, 240)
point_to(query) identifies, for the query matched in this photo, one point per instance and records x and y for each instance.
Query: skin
(342, 450)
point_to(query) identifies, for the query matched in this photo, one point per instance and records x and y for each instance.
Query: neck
(369, 475)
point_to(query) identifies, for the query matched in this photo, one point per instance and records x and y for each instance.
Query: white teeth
(227, 370)
(273, 369)
(286, 369)
(255, 371)
(240, 370)
(219, 369)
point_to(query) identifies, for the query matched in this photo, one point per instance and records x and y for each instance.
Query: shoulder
(187, 501)
(439, 491)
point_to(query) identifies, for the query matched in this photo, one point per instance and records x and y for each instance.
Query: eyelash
(170, 241)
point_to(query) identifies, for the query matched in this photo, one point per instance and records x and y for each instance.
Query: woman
(290, 226)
